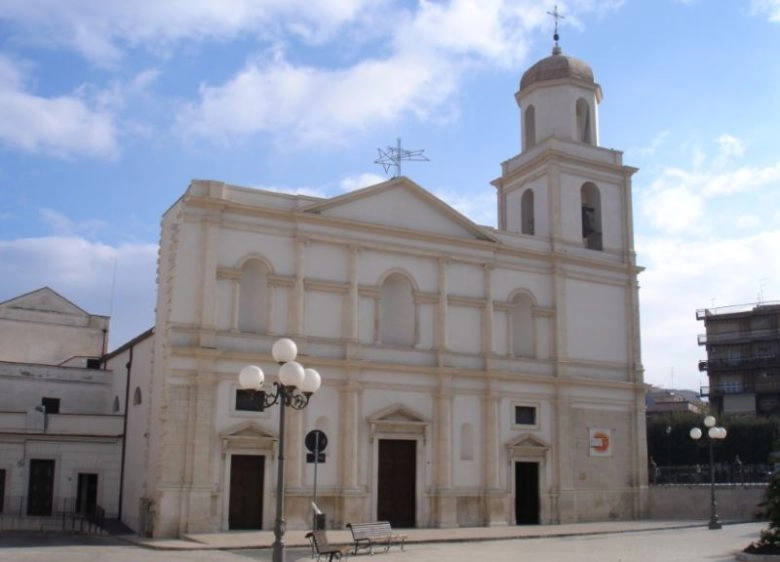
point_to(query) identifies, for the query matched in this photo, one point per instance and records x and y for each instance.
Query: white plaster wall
(22, 393)
(467, 408)
(541, 207)
(595, 321)
(464, 329)
(373, 265)
(49, 344)
(327, 261)
(324, 314)
(555, 107)
(465, 279)
(398, 208)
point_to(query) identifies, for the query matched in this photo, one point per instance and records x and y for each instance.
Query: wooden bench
(321, 547)
(366, 535)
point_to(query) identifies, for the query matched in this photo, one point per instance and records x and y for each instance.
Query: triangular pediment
(397, 413)
(399, 421)
(400, 203)
(246, 429)
(44, 300)
(527, 445)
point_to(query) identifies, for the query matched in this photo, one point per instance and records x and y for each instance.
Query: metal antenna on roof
(392, 156)
(557, 16)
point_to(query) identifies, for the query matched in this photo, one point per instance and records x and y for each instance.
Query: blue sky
(109, 109)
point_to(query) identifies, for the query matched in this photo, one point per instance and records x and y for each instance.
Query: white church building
(471, 376)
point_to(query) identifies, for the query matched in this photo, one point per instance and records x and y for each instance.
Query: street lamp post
(294, 389)
(715, 435)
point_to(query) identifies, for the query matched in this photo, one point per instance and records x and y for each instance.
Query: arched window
(522, 326)
(584, 127)
(397, 311)
(115, 407)
(253, 297)
(591, 216)
(529, 128)
(527, 212)
(466, 442)
(137, 396)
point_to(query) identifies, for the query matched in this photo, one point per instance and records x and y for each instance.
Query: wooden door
(86, 494)
(527, 493)
(247, 473)
(396, 482)
(40, 488)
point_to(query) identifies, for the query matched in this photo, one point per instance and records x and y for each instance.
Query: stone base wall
(735, 501)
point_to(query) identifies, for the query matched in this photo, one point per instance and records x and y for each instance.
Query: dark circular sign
(316, 441)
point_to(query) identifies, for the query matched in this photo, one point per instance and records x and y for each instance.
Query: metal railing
(725, 473)
(59, 515)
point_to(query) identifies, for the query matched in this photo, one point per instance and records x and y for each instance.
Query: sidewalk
(297, 538)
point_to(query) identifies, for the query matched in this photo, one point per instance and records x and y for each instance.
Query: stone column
(441, 313)
(488, 313)
(353, 307)
(446, 502)
(196, 511)
(494, 492)
(298, 297)
(352, 495)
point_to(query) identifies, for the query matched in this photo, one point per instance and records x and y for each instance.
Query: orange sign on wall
(600, 442)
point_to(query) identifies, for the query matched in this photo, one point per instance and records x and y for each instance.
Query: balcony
(742, 363)
(738, 336)
(756, 385)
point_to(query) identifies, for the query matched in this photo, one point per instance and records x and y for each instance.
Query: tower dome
(557, 67)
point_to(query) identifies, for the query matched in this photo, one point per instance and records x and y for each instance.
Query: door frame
(249, 439)
(399, 422)
(529, 448)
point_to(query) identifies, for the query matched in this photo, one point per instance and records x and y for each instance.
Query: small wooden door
(396, 482)
(40, 488)
(247, 473)
(86, 494)
(527, 493)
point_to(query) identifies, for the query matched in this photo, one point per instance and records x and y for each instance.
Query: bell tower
(563, 188)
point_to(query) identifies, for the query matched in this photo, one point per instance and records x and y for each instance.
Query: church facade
(471, 376)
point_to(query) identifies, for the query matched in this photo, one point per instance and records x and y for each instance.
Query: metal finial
(557, 16)
(392, 156)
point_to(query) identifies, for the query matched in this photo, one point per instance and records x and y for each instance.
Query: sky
(109, 109)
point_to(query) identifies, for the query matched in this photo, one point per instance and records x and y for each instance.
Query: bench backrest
(320, 540)
(370, 530)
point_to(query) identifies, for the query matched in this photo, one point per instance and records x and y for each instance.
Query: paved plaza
(616, 542)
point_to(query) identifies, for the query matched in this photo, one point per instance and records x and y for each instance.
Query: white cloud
(312, 104)
(769, 7)
(748, 222)
(740, 180)
(683, 275)
(63, 226)
(62, 126)
(480, 209)
(730, 147)
(112, 280)
(360, 181)
(100, 30)
(429, 50)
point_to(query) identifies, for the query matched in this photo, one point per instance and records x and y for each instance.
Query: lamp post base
(714, 524)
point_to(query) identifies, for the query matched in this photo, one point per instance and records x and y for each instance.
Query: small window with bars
(249, 400)
(525, 415)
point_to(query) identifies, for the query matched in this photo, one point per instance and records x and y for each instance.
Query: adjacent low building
(61, 428)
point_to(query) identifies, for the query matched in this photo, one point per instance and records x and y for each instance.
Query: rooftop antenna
(392, 156)
(761, 285)
(556, 48)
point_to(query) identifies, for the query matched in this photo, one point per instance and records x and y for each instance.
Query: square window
(51, 405)
(249, 400)
(525, 415)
